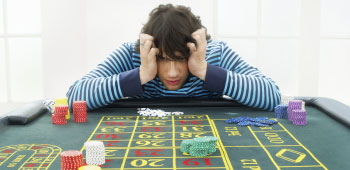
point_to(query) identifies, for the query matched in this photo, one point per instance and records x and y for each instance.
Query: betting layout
(28, 156)
(154, 142)
(137, 142)
(271, 147)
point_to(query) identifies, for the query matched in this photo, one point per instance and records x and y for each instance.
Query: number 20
(143, 162)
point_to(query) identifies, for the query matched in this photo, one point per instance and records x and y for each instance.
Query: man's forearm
(259, 92)
(102, 91)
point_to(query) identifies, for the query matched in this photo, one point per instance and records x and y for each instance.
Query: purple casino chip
(299, 117)
(293, 105)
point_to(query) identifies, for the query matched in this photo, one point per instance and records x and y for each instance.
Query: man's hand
(148, 68)
(196, 61)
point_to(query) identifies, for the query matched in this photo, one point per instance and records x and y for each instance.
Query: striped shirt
(227, 74)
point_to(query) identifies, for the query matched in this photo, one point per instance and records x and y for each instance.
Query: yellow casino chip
(62, 101)
(89, 167)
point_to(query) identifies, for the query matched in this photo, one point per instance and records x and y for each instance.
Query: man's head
(171, 27)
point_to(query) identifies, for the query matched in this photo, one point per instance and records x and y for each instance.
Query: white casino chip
(178, 113)
(49, 105)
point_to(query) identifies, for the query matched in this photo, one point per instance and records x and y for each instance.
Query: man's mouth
(173, 82)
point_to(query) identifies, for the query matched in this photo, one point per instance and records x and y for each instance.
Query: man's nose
(172, 72)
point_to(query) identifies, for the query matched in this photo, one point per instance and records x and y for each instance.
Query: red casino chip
(80, 111)
(80, 119)
(79, 105)
(59, 119)
(61, 110)
(71, 160)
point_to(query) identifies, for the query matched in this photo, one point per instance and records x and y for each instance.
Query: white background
(45, 45)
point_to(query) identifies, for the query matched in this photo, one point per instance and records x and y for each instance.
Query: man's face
(172, 74)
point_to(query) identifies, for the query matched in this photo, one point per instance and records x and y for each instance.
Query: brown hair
(171, 27)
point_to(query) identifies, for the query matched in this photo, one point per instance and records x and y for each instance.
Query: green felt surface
(134, 142)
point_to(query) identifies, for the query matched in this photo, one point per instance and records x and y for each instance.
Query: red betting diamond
(8, 151)
(31, 165)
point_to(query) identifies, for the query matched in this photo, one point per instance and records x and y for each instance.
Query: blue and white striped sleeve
(240, 81)
(114, 78)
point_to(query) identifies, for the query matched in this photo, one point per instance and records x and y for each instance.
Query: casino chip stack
(248, 121)
(293, 105)
(62, 101)
(281, 111)
(59, 116)
(71, 160)
(199, 147)
(299, 117)
(156, 112)
(90, 167)
(80, 111)
(95, 153)
(296, 112)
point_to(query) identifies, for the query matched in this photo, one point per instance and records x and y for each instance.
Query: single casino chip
(245, 123)
(161, 114)
(268, 122)
(237, 120)
(89, 167)
(230, 121)
(95, 152)
(141, 109)
(145, 112)
(255, 119)
(260, 124)
(177, 113)
(71, 159)
(167, 113)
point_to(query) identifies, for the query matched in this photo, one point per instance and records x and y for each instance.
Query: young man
(174, 57)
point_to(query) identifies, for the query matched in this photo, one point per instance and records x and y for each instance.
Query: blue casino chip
(248, 121)
(260, 124)
(244, 123)
(269, 122)
(233, 120)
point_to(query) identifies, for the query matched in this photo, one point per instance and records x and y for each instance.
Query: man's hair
(171, 27)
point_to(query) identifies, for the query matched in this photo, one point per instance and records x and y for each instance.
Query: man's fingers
(144, 37)
(200, 31)
(200, 37)
(146, 47)
(192, 47)
(153, 52)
